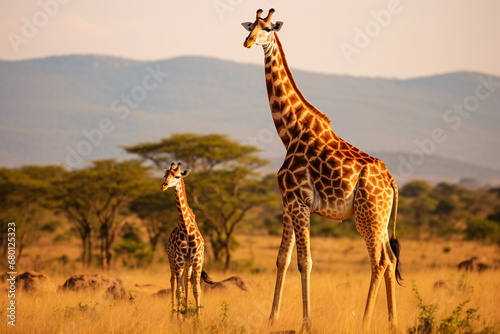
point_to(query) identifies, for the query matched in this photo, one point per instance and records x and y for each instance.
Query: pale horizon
(389, 39)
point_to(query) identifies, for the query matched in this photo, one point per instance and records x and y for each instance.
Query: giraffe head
(173, 176)
(261, 31)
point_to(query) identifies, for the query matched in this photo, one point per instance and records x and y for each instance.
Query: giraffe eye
(177, 177)
(268, 29)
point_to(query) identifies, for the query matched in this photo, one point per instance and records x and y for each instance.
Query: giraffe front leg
(305, 265)
(282, 262)
(172, 290)
(197, 288)
(187, 282)
(178, 291)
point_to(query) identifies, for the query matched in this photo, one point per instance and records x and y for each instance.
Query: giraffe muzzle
(249, 42)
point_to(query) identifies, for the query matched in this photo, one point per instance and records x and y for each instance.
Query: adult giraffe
(326, 175)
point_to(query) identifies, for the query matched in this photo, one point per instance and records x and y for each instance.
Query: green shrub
(134, 253)
(459, 321)
(416, 188)
(426, 316)
(482, 229)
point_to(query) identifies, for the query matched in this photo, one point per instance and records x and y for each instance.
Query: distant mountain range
(71, 109)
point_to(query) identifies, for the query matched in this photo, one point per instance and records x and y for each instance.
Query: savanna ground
(339, 285)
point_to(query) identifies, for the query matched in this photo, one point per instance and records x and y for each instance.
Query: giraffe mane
(314, 111)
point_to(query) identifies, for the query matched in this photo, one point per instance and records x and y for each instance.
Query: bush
(135, 254)
(457, 322)
(416, 188)
(495, 216)
(482, 229)
(324, 227)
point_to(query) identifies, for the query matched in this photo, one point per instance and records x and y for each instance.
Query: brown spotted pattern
(322, 174)
(185, 248)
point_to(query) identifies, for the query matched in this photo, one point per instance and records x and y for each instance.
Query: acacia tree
(23, 192)
(113, 186)
(72, 196)
(97, 198)
(202, 153)
(224, 186)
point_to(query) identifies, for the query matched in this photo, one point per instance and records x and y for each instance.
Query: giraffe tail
(395, 188)
(393, 242)
(206, 278)
(396, 249)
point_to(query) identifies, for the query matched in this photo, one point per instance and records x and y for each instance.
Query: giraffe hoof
(306, 326)
(272, 321)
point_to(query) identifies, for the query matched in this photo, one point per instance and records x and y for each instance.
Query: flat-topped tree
(201, 152)
(98, 196)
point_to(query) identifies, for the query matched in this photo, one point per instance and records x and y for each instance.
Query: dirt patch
(94, 282)
(32, 281)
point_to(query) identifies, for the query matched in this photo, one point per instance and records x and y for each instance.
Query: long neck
(186, 217)
(292, 113)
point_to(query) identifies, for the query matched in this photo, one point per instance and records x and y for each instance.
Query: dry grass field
(340, 279)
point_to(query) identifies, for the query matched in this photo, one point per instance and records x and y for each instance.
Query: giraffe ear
(186, 172)
(277, 26)
(247, 25)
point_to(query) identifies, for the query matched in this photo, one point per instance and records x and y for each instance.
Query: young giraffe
(326, 175)
(185, 246)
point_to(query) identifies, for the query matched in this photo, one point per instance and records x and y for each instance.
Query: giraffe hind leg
(382, 261)
(372, 208)
(383, 264)
(305, 266)
(390, 276)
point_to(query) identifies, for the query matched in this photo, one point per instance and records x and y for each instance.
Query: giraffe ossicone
(323, 174)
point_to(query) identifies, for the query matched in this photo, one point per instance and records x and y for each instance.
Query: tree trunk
(89, 248)
(3, 243)
(154, 242)
(216, 249)
(228, 253)
(108, 253)
(103, 237)
(21, 246)
(84, 250)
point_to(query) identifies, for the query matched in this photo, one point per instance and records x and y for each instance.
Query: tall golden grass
(339, 284)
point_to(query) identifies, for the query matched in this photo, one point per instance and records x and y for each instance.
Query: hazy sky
(389, 38)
